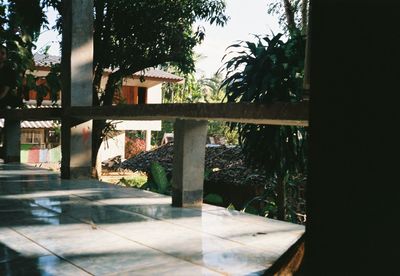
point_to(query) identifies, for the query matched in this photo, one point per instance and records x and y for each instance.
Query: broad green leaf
(214, 199)
(159, 177)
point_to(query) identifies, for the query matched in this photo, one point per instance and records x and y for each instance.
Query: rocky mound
(223, 164)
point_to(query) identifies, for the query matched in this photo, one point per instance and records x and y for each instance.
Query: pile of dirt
(223, 164)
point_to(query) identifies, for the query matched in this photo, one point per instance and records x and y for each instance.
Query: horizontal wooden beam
(276, 114)
(33, 114)
(295, 114)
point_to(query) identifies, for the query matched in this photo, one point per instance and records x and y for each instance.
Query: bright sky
(50, 37)
(247, 17)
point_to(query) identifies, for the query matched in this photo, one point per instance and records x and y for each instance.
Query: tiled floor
(50, 226)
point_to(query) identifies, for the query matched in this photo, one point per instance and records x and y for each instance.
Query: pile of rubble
(223, 164)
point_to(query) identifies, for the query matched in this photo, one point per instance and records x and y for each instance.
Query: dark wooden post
(12, 141)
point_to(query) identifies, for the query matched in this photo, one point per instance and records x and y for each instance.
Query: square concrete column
(148, 140)
(77, 66)
(12, 141)
(188, 165)
(77, 149)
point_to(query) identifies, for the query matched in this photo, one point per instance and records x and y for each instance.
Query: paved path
(50, 226)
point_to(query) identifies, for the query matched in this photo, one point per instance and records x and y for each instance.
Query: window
(32, 136)
(53, 137)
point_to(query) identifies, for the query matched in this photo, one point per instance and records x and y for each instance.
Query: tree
(20, 25)
(267, 71)
(203, 90)
(264, 72)
(212, 90)
(190, 91)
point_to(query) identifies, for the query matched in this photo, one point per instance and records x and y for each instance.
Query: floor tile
(14, 245)
(237, 261)
(176, 268)
(45, 265)
(50, 226)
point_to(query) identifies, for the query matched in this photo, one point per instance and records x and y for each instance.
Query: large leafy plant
(267, 71)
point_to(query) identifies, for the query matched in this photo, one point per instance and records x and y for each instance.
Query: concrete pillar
(77, 83)
(12, 141)
(148, 140)
(188, 165)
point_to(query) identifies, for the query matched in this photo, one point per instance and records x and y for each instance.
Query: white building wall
(154, 94)
(138, 125)
(112, 148)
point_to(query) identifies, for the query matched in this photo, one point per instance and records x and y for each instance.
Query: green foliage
(207, 173)
(20, 23)
(265, 204)
(298, 10)
(159, 177)
(133, 134)
(213, 199)
(187, 92)
(251, 210)
(166, 127)
(163, 30)
(53, 81)
(267, 71)
(133, 35)
(221, 130)
(203, 90)
(211, 88)
(43, 86)
(136, 181)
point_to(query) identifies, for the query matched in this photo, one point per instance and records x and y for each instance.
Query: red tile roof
(153, 73)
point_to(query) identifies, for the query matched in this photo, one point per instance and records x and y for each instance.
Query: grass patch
(135, 181)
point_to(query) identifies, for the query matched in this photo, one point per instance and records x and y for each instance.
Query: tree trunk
(304, 16)
(289, 12)
(306, 79)
(281, 197)
(99, 125)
